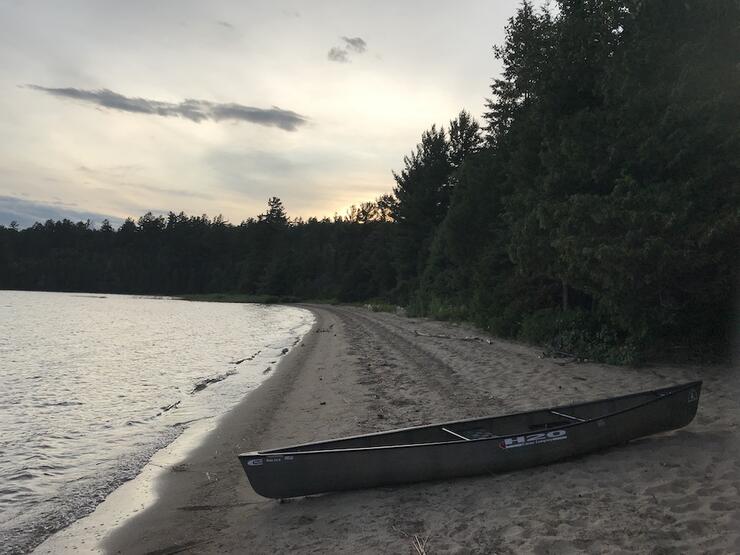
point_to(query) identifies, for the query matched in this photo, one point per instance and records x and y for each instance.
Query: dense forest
(595, 208)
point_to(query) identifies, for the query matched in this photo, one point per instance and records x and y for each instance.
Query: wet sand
(358, 372)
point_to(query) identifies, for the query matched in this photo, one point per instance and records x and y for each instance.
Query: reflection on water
(93, 385)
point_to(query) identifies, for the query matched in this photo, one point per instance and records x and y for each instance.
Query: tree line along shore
(595, 207)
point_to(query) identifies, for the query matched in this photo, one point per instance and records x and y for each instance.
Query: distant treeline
(596, 208)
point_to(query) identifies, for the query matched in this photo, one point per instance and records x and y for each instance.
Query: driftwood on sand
(442, 336)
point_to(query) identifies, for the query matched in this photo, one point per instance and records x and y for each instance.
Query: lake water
(92, 386)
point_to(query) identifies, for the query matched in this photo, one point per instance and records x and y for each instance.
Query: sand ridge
(359, 371)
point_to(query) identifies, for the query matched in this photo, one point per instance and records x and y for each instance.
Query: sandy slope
(358, 371)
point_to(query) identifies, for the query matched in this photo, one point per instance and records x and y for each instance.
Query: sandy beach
(359, 371)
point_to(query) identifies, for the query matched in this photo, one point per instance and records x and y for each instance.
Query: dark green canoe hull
(469, 447)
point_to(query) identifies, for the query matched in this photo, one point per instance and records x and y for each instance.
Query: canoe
(468, 447)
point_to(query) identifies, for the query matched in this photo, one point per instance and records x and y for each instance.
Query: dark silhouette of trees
(597, 210)
(611, 136)
(275, 215)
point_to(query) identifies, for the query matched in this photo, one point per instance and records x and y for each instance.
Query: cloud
(27, 212)
(225, 24)
(352, 45)
(118, 177)
(355, 44)
(194, 110)
(337, 54)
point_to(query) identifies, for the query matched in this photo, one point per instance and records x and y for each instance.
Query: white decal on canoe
(533, 439)
(274, 459)
(693, 396)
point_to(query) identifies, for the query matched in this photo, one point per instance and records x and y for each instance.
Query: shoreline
(358, 372)
(206, 464)
(142, 492)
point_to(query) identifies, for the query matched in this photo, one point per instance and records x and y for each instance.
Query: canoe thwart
(456, 435)
(568, 416)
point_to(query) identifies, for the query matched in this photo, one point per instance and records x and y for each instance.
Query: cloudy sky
(112, 109)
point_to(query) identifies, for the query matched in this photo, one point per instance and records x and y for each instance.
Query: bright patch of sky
(112, 109)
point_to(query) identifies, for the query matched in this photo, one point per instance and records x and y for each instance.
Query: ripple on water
(60, 404)
(86, 388)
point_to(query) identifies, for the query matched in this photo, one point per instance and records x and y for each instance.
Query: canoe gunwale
(661, 394)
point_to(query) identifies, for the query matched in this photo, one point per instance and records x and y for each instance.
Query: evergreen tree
(422, 194)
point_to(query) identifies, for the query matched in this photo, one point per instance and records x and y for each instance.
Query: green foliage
(579, 333)
(609, 187)
(240, 298)
(442, 309)
(380, 306)
(265, 260)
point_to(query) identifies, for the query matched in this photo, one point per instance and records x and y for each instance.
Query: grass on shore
(372, 305)
(258, 299)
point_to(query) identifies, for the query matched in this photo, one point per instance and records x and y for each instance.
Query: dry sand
(359, 371)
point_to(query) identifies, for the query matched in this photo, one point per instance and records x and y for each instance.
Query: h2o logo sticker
(533, 439)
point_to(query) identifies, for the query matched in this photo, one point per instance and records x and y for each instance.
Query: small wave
(60, 404)
(24, 475)
(16, 491)
(184, 423)
(245, 359)
(170, 407)
(205, 382)
(78, 499)
(144, 420)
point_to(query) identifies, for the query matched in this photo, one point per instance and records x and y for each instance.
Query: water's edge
(139, 491)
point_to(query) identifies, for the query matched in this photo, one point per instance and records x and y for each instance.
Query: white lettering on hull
(533, 439)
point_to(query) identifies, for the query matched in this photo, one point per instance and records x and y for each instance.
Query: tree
(275, 214)
(525, 54)
(465, 138)
(422, 194)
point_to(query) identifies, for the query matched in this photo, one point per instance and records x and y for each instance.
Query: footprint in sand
(723, 506)
(304, 520)
(679, 507)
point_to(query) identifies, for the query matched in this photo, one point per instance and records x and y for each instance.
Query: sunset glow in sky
(112, 109)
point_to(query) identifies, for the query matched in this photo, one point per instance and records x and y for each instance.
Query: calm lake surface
(93, 385)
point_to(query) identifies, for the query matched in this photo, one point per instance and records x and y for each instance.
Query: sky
(112, 109)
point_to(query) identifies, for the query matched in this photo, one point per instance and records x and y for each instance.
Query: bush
(581, 334)
(440, 310)
(381, 306)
